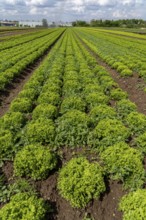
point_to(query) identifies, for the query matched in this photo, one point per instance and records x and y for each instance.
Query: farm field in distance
(72, 124)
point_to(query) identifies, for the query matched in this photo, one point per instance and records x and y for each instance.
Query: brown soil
(104, 208)
(132, 85)
(7, 169)
(13, 33)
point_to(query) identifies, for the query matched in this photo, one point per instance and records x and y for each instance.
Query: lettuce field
(72, 125)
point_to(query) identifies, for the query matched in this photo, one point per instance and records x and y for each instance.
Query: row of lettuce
(22, 39)
(72, 101)
(14, 60)
(126, 55)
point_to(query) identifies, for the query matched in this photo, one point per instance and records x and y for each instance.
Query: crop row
(30, 52)
(22, 39)
(123, 54)
(125, 33)
(67, 103)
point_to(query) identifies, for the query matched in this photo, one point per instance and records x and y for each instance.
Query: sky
(71, 10)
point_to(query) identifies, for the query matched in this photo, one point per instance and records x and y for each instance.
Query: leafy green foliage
(72, 129)
(3, 82)
(136, 122)
(126, 72)
(33, 84)
(24, 207)
(125, 107)
(92, 88)
(12, 121)
(101, 112)
(118, 94)
(71, 87)
(51, 88)
(133, 205)
(41, 130)
(6, 143)
(121, 67)
(125, 164)
(47, 111)
(21, 185)
(23, 105)
(34, 161)
(28, 93)
(142, 73)
(49, 98)
(107, 133)
(80, 181)
(107, 83)
(94, 99)
(140, 142)
(71, 103)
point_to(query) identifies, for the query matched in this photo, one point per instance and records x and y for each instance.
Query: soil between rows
(104, 208)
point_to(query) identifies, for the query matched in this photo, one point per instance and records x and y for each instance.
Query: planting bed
(73, 128)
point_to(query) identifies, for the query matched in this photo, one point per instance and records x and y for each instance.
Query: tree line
(127, 23)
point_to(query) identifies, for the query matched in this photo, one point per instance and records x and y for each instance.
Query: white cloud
(72, 9)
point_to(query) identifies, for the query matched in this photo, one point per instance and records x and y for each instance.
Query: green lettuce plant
(133, 205)
(124, 107)
(95, 99)
(47, 111)
(107, 133)
(49, 98)
(101, 112)
(136, 122)
(140, 142)
(80, 181)
(23, 105)
(118, 94)
(124, 163)
(34, 161)
(72, 129)
(40, 131)
(24, 207)
(71, 103)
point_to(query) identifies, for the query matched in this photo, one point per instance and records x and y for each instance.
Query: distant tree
(44, 22)
(80, 23)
